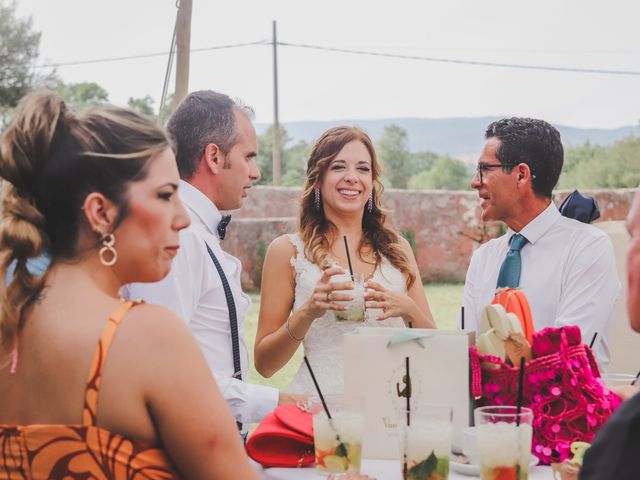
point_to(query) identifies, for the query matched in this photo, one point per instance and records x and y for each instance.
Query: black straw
(408, 383)
(346, 247)
(408, 396)
(341, 448)
(520, 382)
(593, 340)
(462, 317)
(635, 379)
(315, 382)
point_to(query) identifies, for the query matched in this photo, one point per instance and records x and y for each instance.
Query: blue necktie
(510, 270)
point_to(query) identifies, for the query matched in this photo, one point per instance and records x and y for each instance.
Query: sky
(327, 85)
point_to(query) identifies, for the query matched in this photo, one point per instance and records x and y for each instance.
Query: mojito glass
(504, 442)
(425, 442)
(355, 308)
(337, 440)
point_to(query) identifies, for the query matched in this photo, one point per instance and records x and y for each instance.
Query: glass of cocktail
(355, 308)
(337, 440)
(504, 442)
(425, 442)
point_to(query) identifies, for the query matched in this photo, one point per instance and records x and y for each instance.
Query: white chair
(624, 342)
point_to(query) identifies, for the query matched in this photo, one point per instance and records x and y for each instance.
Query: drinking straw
(593, 340)
(519, 406)
(408, 391)
(341, 447)
(346, 247)
(462, 317)
(635, 379)
(315, 382)
(520, 381)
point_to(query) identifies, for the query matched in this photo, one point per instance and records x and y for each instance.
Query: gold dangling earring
(107, 250)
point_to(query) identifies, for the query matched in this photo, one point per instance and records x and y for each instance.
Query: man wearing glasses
(565, 268)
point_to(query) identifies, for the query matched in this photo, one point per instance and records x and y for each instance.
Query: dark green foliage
(410, 236)
(18, 52)
(293, 159)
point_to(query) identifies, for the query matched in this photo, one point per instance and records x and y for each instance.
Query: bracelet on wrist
(291, 335)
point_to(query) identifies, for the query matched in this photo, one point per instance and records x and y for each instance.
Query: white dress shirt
(568, 275)
(193, 289)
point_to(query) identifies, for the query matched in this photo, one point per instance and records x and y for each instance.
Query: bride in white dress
(342, 197)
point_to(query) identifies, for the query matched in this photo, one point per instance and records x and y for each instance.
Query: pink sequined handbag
(562, 386)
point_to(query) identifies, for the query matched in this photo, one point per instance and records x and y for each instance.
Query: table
(381, 470)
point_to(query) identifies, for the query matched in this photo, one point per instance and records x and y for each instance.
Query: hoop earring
(317, 199)
(107, 250)
(370, 202)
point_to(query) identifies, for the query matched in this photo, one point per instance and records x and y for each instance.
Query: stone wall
(446, 226)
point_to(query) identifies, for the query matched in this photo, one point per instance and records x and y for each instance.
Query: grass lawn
(444, 300)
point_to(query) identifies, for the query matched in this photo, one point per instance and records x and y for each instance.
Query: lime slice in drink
(335, 464)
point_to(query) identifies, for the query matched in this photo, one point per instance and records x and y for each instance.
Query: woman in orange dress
(94, 387)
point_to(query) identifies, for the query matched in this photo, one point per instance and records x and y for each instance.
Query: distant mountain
(458, 137)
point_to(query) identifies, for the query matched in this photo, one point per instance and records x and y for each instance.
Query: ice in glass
(338, 441)
(355, 308)
(504, 446)
(425, 443)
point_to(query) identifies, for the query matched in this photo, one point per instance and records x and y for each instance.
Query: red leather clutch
(284, 438)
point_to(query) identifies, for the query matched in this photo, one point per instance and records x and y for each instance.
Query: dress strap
(97, 364)
(296, 241)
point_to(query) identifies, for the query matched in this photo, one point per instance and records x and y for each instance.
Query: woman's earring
(370, 202)
(317, 200)
(108, 255)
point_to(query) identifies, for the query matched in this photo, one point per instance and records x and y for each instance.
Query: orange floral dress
(81, 451)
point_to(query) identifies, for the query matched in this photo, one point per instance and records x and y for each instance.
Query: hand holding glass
(355, 308)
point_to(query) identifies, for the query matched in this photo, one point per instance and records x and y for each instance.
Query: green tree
(167, 108)
(395, 157)
(618, 166)
(446, 173)
(573, 162)
(593, 166)
(293, 159)
(83, 95)
(144, 106)
(18, 52)
(295, 164)
(422, 161)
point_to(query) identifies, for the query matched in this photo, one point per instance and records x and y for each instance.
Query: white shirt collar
(537, 227)
(201, 206)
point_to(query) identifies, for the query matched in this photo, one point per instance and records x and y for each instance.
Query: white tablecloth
(381, 470)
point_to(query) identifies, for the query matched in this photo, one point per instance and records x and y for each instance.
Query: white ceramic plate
(474, 470)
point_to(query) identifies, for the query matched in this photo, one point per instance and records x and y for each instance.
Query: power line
(148, 55)
(363, 52)
(463, 62)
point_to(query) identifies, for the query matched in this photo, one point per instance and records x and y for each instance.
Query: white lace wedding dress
(323, 343)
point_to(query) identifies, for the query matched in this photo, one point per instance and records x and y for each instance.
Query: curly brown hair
(314, 225)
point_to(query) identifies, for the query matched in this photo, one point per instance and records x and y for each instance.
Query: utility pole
(183, 42)
(276, 122)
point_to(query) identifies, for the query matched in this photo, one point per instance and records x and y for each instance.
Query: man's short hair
(534, 142)
(203, 117)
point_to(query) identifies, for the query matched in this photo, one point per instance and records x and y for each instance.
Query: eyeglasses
(485, 166)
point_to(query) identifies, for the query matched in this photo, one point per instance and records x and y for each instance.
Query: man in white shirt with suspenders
(216, 151)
